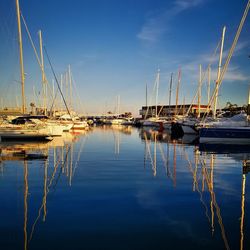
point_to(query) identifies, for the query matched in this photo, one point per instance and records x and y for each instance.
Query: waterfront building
(166, 110)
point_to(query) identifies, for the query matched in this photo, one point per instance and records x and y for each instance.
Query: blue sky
(114, 48)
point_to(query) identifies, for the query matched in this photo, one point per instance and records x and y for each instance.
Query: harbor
(123, 187)
(123, 128)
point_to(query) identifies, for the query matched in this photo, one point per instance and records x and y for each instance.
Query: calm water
(123, 188)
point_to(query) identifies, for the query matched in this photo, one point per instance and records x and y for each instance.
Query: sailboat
(23, 132)
(154, 121)
(191, 125)
(229, 130)
(225, 133)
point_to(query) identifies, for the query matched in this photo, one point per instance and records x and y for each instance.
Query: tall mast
(157, 88)
(183, 106)
(21, 55)
(219, 72)
(170, 91)
(66, 86)
(43, 74)
(208, 83)
(61, 82)
(146, 95)
(177, 91)
(199, 95)
(70, 88)
(53, 94)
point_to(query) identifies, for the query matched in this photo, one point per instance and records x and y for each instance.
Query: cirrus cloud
(156, 26)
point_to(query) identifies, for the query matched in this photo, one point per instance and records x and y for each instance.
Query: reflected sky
(123, 188)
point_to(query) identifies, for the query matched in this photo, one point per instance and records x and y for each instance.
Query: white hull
(67, 127)
(117, 121)
(55, 130)
(80, 125)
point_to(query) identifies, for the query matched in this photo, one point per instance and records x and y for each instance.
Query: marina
(88, 160)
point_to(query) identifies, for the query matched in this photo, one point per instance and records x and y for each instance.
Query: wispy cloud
(156, 26)
(233, 73)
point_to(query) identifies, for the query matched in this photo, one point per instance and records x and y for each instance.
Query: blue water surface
(123, 188)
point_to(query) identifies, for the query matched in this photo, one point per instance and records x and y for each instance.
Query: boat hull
(238, 135)
(189, 129)
(24, 137)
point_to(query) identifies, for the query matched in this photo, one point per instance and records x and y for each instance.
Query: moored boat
(225, 135)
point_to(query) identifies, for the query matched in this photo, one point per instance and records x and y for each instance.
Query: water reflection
(110, 167)
(202, 171)
(61, 150)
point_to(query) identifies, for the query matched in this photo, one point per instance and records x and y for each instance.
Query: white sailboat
(19, 132)
(154, 121)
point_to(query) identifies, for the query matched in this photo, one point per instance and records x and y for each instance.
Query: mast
(43, 74)
(146, 95)
(70, 89)
(183, 106)
(66, 86)
(157, 89)
(177, 91)
(208, 83)
(219, 72)
(199, 95)
(61, 82)
(53, 94)
(170, 91)
(21, 56)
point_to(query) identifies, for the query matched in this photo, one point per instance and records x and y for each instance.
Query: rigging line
(57, 82)
(63, 165)
(218, 213)
(190, 165)
(54, 101)
(40, 209)
(38, 99)
(35, 51)
(78, 156)
(204, 75)
(148, 150)
(77, 93)
(230, 53)
(165, 161)
(39, 212)
(151, 99)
